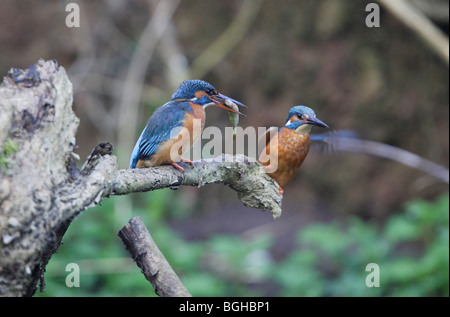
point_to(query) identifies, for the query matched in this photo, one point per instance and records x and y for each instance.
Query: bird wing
(166, 122)
(327, 142)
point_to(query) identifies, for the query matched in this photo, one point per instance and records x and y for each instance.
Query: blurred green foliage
(411, 249)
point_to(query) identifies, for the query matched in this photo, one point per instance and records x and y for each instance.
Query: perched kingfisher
(176, 126)
(286, 150)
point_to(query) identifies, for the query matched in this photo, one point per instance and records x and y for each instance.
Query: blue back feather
(165, 123)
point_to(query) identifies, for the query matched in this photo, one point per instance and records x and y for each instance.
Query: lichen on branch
(255, 189)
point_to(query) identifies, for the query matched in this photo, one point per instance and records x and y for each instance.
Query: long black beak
(227, 103)
(317, 122)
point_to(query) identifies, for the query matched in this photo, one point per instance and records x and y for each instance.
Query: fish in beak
(227, 103)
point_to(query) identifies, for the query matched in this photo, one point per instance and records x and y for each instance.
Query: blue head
(302, 117)
(189, 88)
(202, 93)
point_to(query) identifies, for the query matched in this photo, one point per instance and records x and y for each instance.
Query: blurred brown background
(128, 57)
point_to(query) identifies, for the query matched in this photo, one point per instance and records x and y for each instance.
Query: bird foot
(187, 161)
(177, 166)
(281, 190)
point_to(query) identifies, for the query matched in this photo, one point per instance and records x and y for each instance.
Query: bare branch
(150, 260)
(255, 189)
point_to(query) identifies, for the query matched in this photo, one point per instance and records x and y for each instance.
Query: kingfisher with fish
(170, 131)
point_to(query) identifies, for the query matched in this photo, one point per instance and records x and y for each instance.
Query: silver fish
(234, 117)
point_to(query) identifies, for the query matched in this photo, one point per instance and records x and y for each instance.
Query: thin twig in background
(227, 40)
(134, 81)
(90, 72)
(171, 52)
(437, 10)
(421, 25)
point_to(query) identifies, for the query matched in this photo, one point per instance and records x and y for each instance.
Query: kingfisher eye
(212, 92)
(303, 117)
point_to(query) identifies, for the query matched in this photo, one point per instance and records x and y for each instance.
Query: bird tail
(135, 154)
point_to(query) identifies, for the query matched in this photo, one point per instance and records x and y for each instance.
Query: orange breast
(286, 152)
(172, 149)
(195, 122)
